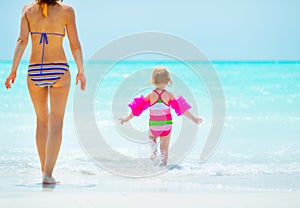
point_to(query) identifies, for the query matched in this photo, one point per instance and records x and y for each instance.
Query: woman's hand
(80, 77)
(10, 79)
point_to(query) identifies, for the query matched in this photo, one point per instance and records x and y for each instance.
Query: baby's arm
(192, 117)
(181, 107)
(138, 105)
(124, 120)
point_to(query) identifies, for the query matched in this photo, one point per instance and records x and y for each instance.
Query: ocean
(259, 148)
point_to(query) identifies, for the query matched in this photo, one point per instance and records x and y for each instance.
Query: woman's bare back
(56, 22)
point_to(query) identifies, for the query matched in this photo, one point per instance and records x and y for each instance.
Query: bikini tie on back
(44, 7)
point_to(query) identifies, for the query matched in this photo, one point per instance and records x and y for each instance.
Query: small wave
(219, 169)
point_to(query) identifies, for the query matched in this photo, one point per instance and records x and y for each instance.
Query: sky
(222, 29)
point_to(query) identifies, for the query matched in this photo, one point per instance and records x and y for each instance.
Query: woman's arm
(75, 46)
(19, 50)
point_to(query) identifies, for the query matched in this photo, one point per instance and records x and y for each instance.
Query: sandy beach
(150, 200)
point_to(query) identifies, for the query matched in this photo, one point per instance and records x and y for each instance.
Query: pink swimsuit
(160, 122)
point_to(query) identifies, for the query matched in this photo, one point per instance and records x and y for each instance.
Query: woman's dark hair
(48, 1)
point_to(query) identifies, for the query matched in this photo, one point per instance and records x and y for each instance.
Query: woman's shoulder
(66, 7)
(28, 7)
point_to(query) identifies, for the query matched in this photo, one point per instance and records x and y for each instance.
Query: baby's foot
(153, 146)
(153, 156)
(163, 165)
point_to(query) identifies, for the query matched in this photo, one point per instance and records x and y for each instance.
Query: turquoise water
(259, 149)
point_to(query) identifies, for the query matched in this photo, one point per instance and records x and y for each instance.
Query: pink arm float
(180, 105)
(138, 105)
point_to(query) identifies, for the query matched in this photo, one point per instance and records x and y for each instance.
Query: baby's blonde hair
(160, 75)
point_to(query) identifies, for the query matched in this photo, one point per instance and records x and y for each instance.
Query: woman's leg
(58, 99)
(164, 148)
(39, 97)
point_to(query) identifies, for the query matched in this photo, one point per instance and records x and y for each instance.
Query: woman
(48, 72)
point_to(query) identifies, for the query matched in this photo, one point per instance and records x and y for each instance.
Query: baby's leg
(164, 148)
(153, 145)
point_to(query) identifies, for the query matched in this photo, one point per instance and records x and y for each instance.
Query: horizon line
(196, 61)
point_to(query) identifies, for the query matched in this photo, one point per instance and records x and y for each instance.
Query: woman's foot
(49, 180)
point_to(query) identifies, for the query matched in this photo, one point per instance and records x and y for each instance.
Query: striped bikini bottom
(44, 75)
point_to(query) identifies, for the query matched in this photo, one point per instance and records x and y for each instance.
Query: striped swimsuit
(160, 121)
(46, 74)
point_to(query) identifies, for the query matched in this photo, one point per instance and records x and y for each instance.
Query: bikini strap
(159, 94)
(159, 97)
(47, 33)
